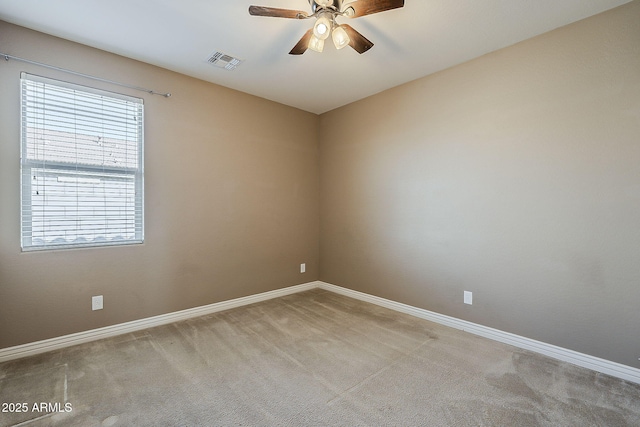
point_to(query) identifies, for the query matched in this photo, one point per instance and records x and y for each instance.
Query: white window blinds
(82, 166)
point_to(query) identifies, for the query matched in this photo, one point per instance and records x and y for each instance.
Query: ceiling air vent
(222, 60)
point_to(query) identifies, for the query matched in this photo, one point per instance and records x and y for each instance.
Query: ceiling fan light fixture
(325, 13)
(316, 44)
(322, 27)
(340, 38)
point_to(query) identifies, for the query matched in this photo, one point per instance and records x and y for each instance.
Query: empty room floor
(313, 358)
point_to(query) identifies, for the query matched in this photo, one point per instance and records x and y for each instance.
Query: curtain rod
(75, 73)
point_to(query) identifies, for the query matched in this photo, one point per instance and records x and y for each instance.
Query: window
(81, 164)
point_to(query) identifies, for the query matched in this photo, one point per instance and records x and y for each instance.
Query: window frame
(110, 174)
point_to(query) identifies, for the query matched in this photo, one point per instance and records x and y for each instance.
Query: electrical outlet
(96, 303)
(468, 297)
(303, 268)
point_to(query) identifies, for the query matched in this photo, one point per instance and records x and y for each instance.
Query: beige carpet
(310, 359)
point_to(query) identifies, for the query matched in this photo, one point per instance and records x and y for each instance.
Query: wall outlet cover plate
(468, 297)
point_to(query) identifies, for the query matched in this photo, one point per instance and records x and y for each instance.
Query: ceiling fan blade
(277, 13)
(356, 40)
(303, 44)
(367, 7)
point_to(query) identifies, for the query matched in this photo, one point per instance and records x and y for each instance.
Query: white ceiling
(423, 37)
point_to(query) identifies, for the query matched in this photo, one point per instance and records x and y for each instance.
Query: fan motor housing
(325, 4)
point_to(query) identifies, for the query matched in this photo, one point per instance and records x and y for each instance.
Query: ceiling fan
(326, 12)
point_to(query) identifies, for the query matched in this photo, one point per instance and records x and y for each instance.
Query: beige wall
(231, 191)
(515, 176)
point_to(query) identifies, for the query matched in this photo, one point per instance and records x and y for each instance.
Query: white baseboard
(38, 347)
(580, 359)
